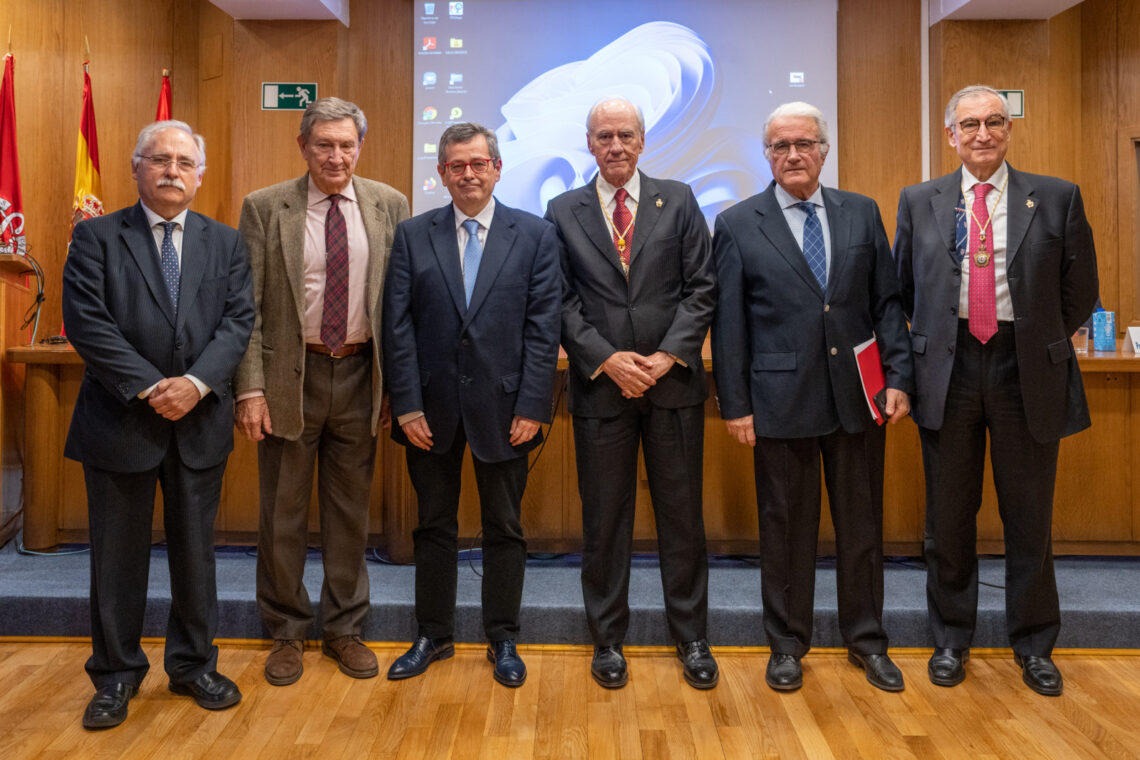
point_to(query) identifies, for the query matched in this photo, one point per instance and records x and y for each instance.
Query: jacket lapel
(195, 249)
(291, 233)
(371, 213)
(943, 204)
(648, 212)
(446, 249)
(775, 228)
(1020, 208)
(139, 240)
(500, 239)
(588, 212)
(839, 222)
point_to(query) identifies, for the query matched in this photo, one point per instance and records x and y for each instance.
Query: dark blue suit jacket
(782, 348)
(120, 319)
(480, 365)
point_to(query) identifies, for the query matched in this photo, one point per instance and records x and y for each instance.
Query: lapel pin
(1029, 204)
(660, 203)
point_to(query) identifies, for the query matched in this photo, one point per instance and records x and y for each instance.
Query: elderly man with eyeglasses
(806, 280)
(471, 311)
(998, 270)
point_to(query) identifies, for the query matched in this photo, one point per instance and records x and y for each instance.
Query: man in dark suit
(638, 290)
(470, 347)
(997, 270)
(309, 389)
(158, 302)
(805, 276)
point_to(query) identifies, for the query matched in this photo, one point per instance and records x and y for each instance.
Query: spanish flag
(88, 189)
(12, 238)
(165, 99)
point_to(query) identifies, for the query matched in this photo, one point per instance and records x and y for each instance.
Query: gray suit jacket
(1051, 267)
(273, 226)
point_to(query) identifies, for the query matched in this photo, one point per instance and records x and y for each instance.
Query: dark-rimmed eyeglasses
(994, 123)
(478, 166)
(784, 147)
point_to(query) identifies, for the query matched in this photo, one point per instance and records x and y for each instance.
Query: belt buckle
(333, 355)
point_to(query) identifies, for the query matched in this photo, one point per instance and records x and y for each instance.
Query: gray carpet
(1100, 600)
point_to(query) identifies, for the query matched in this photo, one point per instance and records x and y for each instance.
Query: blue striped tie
(814, 251)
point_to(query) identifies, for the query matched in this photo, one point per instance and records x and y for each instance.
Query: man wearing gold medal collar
(997, 269)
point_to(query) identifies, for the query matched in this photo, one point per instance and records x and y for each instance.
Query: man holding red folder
(805, 276)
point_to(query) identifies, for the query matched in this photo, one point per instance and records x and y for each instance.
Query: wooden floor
(457, 711)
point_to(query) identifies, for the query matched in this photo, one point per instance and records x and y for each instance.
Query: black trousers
(436, 479)
(120, 508)
(673, 444)
(788, 504)
(985, 395)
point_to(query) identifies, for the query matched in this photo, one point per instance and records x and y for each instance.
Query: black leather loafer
(423, 652)
(784, 672)
(881, 672)
(608, 667)
(947, 667)
(212, 691)
(510, 670)
(697, 664)
(108, 708)
(1040, 674)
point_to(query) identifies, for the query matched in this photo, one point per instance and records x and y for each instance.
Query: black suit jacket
(665, 305)
(120, 319)
(782, 348)
(1051, 268)
(482, 364)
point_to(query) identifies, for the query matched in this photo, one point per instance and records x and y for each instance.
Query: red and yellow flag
(88, 189)
(12, 238)
(165, 99)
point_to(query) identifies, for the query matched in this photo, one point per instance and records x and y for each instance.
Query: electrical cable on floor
(28, 552)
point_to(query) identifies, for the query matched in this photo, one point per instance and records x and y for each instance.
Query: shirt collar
(316, 195)
(969, 180)
(484, 217)
(154, 219)
(606, 191)
(787, 200)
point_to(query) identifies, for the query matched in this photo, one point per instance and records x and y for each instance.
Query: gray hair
(333, 109)
(466, 132)
(616, 99)
(807, 111)
(973, 91)
(150, 131)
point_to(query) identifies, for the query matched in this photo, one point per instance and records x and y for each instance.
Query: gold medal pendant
(981, 258)
(621, 244)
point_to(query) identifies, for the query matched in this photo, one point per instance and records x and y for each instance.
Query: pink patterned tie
(622, 225)
(334, 315)
(983, 310)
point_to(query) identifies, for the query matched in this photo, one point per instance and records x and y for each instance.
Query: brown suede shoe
(283, 666)
(353, 657)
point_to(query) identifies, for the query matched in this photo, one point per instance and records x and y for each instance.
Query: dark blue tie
(814, 251)
(169, 261)
(962, 235)
(472, 253)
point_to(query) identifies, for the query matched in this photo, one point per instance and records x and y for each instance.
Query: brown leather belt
(348, 349)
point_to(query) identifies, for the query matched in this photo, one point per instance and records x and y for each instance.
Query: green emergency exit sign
(287, 96)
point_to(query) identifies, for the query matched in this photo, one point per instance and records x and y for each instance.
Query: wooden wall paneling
(214, 120)
(1061, 98)
(14, 299)
(1128, 178)
(904, 486)
(880, 89)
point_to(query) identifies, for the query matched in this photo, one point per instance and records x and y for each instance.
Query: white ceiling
(317, 10)
(965, 10)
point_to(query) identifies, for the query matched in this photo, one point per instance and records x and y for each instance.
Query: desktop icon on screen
(429, 79)
(455, 9)
(455, 79)
(429, 147)
(429, 184)
(456, 42)
(456, 113)
(796, 78)
(430, 113)
(429, 43)
(429, 9)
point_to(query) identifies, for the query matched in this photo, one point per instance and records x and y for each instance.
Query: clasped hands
(635, 373)
(174, 397)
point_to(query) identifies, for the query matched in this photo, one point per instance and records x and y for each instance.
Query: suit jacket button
(834, 350)
(949, 349)
(466, 341)
(826, 308)
(953, 309)
(957, 271)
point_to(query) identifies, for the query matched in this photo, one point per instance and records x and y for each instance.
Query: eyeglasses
(994, 123)
(478, 166)
(161, 162)
(625, 137)
(784, 147)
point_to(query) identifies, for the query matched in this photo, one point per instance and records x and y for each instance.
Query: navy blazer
(121, 322)
(665, 305)
(782, 347)
(480, 365)
(1051, 269)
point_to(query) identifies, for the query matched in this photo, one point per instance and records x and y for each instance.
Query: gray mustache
(166, 181)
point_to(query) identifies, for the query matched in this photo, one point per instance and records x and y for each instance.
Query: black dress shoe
(608, 667)
(108, 707)
(423, 652)
(1040, 674)
(697, 664)
(210, 690)
(881, 672)
(510, 670)
(784, 672)
(947, 667)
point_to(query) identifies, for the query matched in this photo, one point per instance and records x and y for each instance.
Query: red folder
(871, 375)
